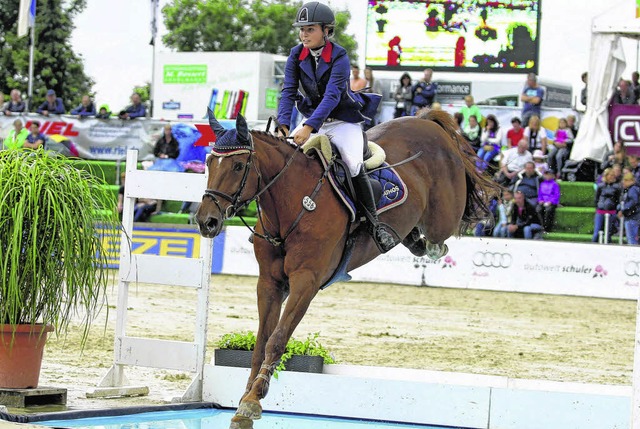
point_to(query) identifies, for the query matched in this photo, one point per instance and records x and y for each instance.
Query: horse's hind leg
(419, 245)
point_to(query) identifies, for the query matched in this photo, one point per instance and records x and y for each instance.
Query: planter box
(242, 359)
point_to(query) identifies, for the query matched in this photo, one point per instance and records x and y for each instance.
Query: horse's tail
(480, 188)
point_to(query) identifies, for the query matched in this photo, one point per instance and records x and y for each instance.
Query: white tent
(606, 65)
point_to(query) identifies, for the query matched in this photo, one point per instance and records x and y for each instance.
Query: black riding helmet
(315, 13)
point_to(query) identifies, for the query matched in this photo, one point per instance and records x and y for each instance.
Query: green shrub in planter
(52, 223)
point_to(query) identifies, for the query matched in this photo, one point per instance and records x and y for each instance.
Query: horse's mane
(480, 187)
(269, 138)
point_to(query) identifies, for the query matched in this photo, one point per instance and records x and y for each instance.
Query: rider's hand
(283, 131)
(302, 135)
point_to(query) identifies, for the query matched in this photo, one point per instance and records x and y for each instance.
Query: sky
(113, 39)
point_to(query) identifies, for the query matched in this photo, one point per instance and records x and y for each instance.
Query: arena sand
(517, 335)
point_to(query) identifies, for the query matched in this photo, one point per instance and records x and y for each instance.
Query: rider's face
(312, 36)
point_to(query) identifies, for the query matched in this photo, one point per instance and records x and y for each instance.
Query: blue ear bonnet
(230, 141)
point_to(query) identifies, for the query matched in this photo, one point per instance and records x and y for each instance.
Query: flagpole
(31, 50)
(153, 77)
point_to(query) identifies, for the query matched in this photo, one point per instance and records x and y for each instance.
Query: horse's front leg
(303, 288)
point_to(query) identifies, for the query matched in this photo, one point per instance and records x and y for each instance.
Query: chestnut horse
(299, 250)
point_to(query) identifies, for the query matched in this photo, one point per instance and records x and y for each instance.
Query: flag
(154, 21)
(26, 16)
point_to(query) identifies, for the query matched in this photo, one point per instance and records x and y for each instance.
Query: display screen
(453, 35)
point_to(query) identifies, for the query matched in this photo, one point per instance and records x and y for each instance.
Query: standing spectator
(403, 96)
(15, 104)
(135, 110)
(424, 92)
(635, 85)
(167, 146)
(529, 183)
(513, 162)
(524, 221)
(548, 200)
(490, 143)
(470, 109)
(373, 86)
(536, 135)
(357, 83)
(572, 124)
(471, 132)
(608, 195)
(617, 156)
(539, 159)
(35, 139)
(634, 166)
(583, 92)
(624, 94)
(86, 108)
(561, 147)
(515, 134)
(52, 105)
(630, 208)
(532, 96)
(17, 137)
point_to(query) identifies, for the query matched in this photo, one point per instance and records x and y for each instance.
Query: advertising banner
(624, 124)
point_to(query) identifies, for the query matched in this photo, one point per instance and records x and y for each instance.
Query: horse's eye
(237, 166)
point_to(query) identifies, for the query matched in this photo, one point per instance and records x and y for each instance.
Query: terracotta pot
(20, 362)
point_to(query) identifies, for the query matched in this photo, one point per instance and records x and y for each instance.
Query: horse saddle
(388, 188)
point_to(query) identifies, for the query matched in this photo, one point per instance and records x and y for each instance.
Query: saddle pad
(394, 191)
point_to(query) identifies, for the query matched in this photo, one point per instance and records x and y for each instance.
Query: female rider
(329, 106)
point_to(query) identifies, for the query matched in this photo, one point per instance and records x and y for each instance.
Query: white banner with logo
(608, 271)
(105, 139)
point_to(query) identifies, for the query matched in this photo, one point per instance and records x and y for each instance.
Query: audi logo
(632, 268)
(492, 259)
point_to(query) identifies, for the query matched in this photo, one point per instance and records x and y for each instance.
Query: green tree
(56, 65)
(143, 91)
(241, 25)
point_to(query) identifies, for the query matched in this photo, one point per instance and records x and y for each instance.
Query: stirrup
(383, 238)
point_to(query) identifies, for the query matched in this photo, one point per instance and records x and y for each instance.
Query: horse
(299, 248)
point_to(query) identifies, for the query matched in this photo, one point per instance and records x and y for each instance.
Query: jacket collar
(326, 52)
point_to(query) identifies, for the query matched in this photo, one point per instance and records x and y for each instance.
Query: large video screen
(453, 35)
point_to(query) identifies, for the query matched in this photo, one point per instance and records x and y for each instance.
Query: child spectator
(540, 161)
(562, 143)
(104, 112)
(35, 139)
(607, 199)
(548, 200)
(490, 143)
(515, 134)
(630, 208)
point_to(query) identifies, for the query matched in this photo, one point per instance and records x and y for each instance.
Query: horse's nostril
(212, 223)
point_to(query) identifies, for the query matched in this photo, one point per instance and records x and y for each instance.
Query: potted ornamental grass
(308, 355)
(53, 218)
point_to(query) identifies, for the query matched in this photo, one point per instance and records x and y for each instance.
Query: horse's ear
(242, 129)
(218, 129)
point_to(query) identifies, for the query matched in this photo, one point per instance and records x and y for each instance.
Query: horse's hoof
(250, 410)
(436, 251)
(238, 422)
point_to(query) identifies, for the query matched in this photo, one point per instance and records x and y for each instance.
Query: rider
(329, 106)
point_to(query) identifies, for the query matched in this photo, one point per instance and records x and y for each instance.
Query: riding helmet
(315, 13)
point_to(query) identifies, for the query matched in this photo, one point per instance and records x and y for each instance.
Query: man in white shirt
(513, 161)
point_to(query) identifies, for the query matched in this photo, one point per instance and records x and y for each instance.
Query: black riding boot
(381, 236)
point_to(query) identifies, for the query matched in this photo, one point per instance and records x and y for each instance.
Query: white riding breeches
(348, 138)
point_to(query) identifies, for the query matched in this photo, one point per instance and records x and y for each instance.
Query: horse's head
(231, 180)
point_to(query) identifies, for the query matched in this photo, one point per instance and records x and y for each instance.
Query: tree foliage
(56, 65)
(241, 25)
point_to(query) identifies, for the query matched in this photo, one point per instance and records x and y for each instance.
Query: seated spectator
(104, 112)
(459, 119)
(607, 199)
(471, 132)
(144, 208)
(15, 104)
(513, 162)
(616, 156)
(485, 228)
(548, 200)
(505, 205)
(571, 123)
(35, 139)
(52, 105)
(634, 166)
(515, 134)
(540, 160)
(624, 94)
(490, 143)
(135, 110)
(630, 208)
(86, 108)
(470, 109)
(403, 96)
(17, 137)
(562, 143)
(529, 183)
(524, 221)
(536, 135)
